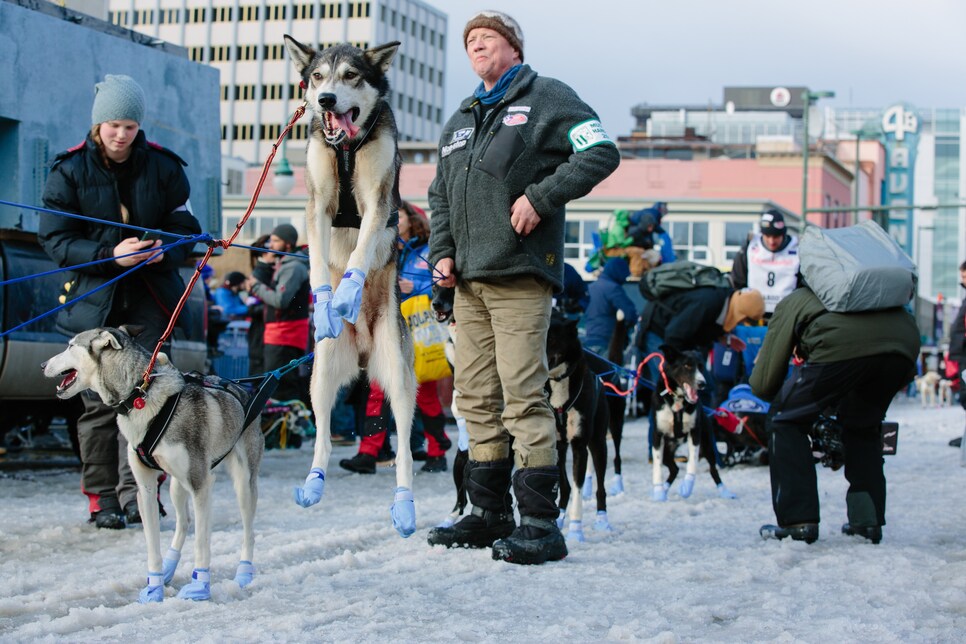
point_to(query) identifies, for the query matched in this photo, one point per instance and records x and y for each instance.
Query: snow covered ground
(685, 570)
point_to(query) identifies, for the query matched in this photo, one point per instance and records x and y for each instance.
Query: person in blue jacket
(608, 301)
(647, 231)
(227, 297)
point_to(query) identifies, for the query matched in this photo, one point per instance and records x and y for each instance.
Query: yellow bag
(429, 339)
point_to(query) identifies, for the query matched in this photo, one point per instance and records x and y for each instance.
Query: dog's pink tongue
(344, 121)
(689, 394)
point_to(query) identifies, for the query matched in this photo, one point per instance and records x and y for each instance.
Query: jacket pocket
(505, 146)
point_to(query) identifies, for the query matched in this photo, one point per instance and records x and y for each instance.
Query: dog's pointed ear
(301, 54)
(133, 330)
(669, 352)
(106, 338)
(382, 55)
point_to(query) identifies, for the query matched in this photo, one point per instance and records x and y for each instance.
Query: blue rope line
(90, 219)
(158, 251)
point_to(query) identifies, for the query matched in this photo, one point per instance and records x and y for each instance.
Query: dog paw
(199, 589)
(153, 593)
(561, 518)
(328, 322)
(725, 493)
(587, 490)
(348, 296)
(311, 493)
(245, 573)
(403, 512)
(576, 532)
(659, 492)
(602, 524)
(617, 486)
(687, 486)
(169, 565)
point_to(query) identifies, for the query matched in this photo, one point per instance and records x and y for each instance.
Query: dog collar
(134, 400)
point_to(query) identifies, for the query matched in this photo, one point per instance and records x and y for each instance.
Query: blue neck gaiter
(495, 94)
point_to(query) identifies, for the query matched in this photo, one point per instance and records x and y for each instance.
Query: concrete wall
(52, 57)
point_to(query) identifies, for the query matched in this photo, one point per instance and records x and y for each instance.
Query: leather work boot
(871, 532)
(807, 532)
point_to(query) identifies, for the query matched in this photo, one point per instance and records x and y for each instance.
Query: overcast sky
(619, 53)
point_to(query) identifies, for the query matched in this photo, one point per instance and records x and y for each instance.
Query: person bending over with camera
(847, 366)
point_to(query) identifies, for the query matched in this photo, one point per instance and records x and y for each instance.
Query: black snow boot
(538, 538)
(434, 426)
(488, 486)
(360, 463)
(110, 515)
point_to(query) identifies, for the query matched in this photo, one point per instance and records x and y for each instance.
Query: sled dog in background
(352, 177)
(678, 417)
(581, 412)
(180, 424)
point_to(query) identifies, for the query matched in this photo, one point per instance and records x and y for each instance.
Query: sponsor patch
(588, 134)
(462, 135)
(449, 148)
(515, 119)
(518, 108)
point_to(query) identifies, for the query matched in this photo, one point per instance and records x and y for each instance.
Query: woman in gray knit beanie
(116, 115)
(115, 177)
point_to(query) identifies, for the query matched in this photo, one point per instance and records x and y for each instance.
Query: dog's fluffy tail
(459, 478)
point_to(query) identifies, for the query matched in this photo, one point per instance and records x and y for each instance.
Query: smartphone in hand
(150, 235)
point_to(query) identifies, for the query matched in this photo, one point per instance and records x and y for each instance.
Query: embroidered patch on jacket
(588, 134)
(462, 134)
(515, 119)
(448, 149)
(518, 108)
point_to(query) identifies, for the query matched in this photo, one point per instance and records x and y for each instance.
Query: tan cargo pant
(501, 369)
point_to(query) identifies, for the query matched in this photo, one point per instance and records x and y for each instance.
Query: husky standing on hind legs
(352, 177)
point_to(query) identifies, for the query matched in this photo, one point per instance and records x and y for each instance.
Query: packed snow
(686, 570)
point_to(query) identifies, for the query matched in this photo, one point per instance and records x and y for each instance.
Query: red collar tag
(138, 403)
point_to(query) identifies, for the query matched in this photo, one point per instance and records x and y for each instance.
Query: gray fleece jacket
(540, 140)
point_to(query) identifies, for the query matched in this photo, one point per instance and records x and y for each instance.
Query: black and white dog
(352, 176)
(678, 416)
(581, 411)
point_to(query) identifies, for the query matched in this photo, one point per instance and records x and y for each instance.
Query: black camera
(827, 445)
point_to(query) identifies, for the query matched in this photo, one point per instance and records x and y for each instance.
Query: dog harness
(348, 214)
(159, 425)
(560, 413)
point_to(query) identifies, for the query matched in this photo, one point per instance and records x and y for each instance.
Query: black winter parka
(80, 183)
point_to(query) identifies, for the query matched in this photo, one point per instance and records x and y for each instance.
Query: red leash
(637, 376)
(224, 243)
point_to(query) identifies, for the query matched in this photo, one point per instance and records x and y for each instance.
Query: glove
(659, 492)
(463, 442)
(725, 493)
(687, 486)
(169, 564)
(328, 323)
(311, 492)
(199, 589)
(348, 297)
(154, 591)
(245, 573)
(403, 512)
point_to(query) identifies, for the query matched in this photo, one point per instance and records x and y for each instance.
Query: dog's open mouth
(690, 393)
(70, 376)
(339, 126)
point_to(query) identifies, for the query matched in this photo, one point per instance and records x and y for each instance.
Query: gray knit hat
(287, 233)
(117, 98)
(500, 23)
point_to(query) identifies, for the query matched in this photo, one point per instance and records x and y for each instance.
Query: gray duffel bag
(858, 268)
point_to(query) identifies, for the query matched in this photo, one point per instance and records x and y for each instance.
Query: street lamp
(807, 98)
(283, 180)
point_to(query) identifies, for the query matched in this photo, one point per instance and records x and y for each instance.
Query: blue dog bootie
(245, 573)
(153, 593)
(200, 587)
